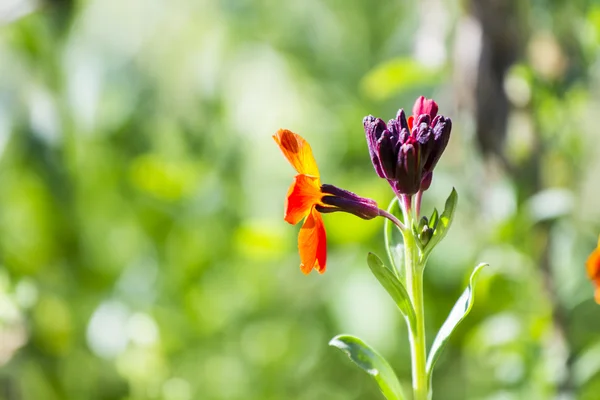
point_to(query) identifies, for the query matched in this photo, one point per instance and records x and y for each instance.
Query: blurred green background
(143, 254)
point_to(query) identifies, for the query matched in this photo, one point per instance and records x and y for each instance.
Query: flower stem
(414, 283)
(418, 203)
(391, 217)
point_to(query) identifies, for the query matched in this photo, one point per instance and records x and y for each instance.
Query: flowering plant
(405, 152)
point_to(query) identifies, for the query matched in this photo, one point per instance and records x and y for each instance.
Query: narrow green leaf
(395, 250)
(372, 363)
(433, 220)
(397, 253)
(394, 287)
(461, 309)
(443, 222)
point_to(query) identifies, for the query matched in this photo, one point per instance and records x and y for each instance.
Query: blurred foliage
(143, 254)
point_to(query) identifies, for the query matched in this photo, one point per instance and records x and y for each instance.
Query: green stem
(414, 283)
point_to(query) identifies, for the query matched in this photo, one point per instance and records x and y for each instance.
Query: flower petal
(297, 151)
(312, 243)
(593, 265)
(593, 271)
(425, 106)
(408, 169)
(302, 195)
(374, 128)
(441, 128)
(387, 146)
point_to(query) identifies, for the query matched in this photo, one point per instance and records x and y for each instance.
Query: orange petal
(297, 151)
(302, 195)
(312, 243)
(593, 265)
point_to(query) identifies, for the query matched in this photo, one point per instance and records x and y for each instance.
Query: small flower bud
(336, 199)
(425, 235)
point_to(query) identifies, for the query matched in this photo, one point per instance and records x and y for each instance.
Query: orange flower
(593, 270)
(307, 199)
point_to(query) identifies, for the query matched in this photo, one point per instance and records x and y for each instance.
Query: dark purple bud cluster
(405, 152)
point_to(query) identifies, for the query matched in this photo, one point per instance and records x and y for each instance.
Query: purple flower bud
(405, 151)
(336, 199)
(441, 127)
(408, 171)
(374, 128)
(387, 147)
(426, 181)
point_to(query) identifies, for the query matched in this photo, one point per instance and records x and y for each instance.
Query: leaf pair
(372, 362)
(365, 356)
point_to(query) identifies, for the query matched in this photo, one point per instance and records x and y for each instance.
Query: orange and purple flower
(307, 198)
(405, 152)
(593, 270)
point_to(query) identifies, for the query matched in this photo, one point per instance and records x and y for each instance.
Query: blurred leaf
(53, 325)
(461, 309)
(550, 204)
(259, 240)
(593, 17)
(587, 364)
(164, 178)
(372, 363)
(393, 76)
(393, 286)
(442, 226)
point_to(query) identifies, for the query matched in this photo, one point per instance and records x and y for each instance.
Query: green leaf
(433, 220)
(395, 250)
(442, 223)
(394, 287)
(372, 363)
(461, 309)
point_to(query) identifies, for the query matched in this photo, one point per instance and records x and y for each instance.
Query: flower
(593, 270)
(405, 151)
(307, 198)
